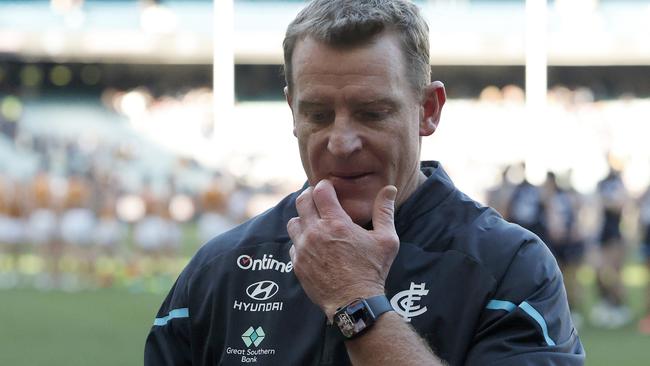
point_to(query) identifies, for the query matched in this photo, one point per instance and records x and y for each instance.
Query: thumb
(384, 209)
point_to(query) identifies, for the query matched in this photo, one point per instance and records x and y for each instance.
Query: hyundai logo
(262, 290)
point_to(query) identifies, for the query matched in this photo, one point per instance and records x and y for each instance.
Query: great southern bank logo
(267, 262)
(253, 336)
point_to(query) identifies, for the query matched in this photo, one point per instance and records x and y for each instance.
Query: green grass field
(108, 327)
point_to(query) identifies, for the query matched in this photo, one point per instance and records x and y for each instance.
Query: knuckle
(387, 208)
(337, 228)
(294, 222)
(388, 239)
(311, 236)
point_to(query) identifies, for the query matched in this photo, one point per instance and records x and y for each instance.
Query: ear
(289, 99)
(433, 99)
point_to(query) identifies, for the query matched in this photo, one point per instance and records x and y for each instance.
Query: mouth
(350, 176)
(350, 181)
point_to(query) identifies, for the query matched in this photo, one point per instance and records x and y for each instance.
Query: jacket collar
(426, 197)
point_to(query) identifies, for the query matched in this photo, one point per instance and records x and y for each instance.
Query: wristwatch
(359, 315)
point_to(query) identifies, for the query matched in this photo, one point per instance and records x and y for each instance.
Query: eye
(372, 115)
(319, 116)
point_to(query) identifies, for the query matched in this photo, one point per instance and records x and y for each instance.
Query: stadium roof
(463, 32)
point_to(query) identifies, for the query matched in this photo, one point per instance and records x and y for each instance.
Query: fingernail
(391, 193)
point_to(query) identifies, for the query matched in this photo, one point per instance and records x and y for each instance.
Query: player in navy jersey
(611, 312)
(498, 197)
(565, 238)
(644, 223)
(526, 206)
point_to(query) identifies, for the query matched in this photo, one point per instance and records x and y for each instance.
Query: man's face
(358, 120)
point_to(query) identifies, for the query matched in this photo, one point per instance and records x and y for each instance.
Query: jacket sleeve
(168, 342)
(528, 322)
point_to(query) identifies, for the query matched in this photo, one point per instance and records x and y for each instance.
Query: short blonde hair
(347, 23)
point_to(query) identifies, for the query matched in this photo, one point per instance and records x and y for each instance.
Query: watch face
(353, 319)
(345, 324)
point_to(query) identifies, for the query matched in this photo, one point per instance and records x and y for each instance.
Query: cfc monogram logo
(404, 302)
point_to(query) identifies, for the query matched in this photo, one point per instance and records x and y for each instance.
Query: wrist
(360, 315)
(349, 294)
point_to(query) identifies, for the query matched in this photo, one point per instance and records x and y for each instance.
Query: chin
(359, 212)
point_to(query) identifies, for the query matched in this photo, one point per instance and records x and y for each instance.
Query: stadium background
(120, 96)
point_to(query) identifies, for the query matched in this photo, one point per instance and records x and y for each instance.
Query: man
(644, 225)
(611, 311)
(526, 207)
(565, 238)
(333, 275)
(498, 197)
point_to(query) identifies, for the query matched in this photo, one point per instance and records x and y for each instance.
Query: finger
(384, 209)
(294, 228)
(306, 207)
(292, 254)
(327, 204)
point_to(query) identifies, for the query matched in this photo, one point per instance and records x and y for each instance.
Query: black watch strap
(378, 305)
(359, 315)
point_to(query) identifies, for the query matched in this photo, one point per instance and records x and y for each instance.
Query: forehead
(376, 64)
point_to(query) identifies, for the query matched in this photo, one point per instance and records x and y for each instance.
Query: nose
(344, 138)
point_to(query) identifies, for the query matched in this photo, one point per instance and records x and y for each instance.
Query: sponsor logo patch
(252, 338)
(266, 263)
(260, 291)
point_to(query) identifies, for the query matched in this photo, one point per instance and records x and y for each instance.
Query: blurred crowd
(88, 230)
(100, 209)
(596, 230)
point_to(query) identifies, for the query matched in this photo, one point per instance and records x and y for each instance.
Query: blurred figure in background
(157, 235)
(526, 206)
(171, 244)
(499, 196)
(214, 218)
(644, 223)
(150, 232)
(611, 311)
(12, 225)
(110, 233)
(42, 228)
(78, 224)
(562, 207)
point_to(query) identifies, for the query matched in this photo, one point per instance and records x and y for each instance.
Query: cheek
(406, 147)
(303, 147)
(310, 153)
(303, 136)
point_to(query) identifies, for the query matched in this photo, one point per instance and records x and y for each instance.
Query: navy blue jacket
(479, 290)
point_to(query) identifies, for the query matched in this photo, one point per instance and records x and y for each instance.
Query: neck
(417, 181)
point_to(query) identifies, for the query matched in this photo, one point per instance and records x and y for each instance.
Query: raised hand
(336, 260)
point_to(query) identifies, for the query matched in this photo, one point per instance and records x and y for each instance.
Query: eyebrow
(374, 102)
(304, 104)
